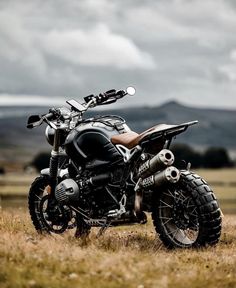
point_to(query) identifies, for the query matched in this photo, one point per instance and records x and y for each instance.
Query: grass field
(131, 256)
(123, 257)
(15, 183)
(223, 183)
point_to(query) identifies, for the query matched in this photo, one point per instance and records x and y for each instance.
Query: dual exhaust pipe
(158, 170)
(155, 172)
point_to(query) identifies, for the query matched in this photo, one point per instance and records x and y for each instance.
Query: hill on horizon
(216, 126)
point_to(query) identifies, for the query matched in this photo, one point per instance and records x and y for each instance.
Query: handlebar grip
(48, 116)
(103, 97)
(107, 97)
(110, 93)
(53, 114)
(120, 94)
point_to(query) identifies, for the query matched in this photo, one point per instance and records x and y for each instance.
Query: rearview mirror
(33, 121)
(130, 91)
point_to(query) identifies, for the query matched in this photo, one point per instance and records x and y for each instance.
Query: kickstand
(103, 229)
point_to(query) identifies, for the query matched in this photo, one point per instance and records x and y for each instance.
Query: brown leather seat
(126, 139)
(131, 139)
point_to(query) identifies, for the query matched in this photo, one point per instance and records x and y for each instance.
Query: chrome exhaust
(169, 175)
(163, 159)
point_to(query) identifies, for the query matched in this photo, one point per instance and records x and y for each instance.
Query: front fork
(54, 162)
(53, 176)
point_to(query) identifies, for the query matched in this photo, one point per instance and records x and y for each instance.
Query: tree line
(212, 157)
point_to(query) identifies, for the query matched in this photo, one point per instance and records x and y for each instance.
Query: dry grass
(18, 185)
(226, 192)
(123, 257)
(225, 174)
(17, 177)
(15, 183)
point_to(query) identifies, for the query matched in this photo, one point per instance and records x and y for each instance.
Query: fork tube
(54, 159)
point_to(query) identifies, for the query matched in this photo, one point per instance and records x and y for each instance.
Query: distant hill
(216, 127)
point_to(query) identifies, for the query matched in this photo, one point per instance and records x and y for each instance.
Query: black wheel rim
(58, 226)
(179, 216)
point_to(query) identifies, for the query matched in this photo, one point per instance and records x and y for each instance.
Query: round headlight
(49, 133)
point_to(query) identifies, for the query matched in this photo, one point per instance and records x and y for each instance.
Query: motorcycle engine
(90, 192)
(67, 191)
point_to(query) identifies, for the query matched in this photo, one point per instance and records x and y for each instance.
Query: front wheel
(46, 214)
(187, 214)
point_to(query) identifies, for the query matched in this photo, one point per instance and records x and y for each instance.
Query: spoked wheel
(179, 217)
(55, 220)
(187, 214)
(46, 215)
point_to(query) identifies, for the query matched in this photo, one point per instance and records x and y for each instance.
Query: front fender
(46, 172)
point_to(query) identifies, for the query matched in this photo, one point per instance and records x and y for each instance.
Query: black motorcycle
(102, 174)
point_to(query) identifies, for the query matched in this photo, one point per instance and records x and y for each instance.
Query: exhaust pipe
(163, 159)
(169, 175)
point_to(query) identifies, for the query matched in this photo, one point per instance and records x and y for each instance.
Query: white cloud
(78, 47)
(209, 23)
(97, 8)
(229, 69)
(24, 100)
(233, 55)
(17, 44)
(96, 47)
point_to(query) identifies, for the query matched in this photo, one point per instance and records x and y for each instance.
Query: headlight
(49, 133)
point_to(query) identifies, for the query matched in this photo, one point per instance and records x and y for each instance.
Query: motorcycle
(102, 174)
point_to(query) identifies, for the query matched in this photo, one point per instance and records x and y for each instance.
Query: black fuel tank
(90, 140)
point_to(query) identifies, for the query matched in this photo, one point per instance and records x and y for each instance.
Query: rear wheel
(187, 214)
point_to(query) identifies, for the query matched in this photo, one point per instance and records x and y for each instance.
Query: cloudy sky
(177, 49)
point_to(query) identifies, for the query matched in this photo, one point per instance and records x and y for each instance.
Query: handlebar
(107, 97)
(49, 116)
(37, 120)
(77, 109)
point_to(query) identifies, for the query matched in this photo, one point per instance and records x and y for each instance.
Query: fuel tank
(90, 140)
